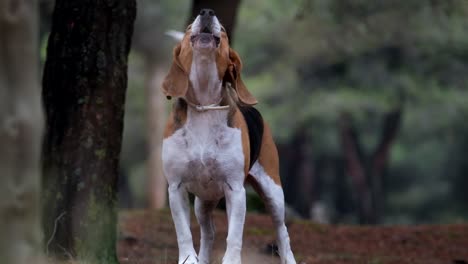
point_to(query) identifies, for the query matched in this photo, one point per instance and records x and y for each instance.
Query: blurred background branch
(21, 128)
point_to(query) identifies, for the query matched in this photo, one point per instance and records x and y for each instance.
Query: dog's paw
(189, 259)
(232, 259)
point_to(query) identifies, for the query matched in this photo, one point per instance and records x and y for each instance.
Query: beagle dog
(214, 142)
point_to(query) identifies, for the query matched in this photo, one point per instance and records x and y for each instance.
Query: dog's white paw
(288, 260)
(237, 261)
(232, 259)
(188, 259)
(203, 260)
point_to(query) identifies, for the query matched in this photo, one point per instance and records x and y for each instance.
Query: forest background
(367, 101)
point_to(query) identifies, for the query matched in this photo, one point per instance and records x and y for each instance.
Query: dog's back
(255, 125)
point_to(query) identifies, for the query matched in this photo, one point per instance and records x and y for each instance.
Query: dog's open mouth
(206, 29)
(205, 36)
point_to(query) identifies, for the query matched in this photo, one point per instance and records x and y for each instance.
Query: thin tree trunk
(157, 188)
(379, 160)
(366, 173)
(287, 154)
(85, 80)
(355, 168)
(305, 173)
(21, 126)
(299, 172)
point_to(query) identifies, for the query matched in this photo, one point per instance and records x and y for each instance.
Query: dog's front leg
(180, 209)
(203, 212)
(235, 207)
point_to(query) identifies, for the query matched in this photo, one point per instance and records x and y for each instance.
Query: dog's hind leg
(264, 178)
(273, 197)
(203, 212)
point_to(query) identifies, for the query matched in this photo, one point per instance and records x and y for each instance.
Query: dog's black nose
(207, 12)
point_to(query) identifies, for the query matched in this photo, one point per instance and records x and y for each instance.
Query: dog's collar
(203, 108)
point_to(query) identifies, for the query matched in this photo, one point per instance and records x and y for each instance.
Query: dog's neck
(205, 85)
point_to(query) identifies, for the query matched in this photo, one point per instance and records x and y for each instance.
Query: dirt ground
(149, 237)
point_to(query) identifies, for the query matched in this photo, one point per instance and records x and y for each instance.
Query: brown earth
(148, 237)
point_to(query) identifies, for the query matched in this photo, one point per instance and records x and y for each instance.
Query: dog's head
(205, 36)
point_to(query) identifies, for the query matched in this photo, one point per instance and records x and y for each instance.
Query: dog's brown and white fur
(207, 149)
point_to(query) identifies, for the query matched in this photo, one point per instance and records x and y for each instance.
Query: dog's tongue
(205, 37)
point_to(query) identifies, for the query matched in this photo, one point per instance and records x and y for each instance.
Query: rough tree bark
(84, 85)
(21, 125)
(366, 172)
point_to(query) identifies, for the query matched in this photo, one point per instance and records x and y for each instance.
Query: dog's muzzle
(206, 20)
(206, 33)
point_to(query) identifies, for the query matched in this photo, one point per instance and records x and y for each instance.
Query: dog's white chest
(205, 155)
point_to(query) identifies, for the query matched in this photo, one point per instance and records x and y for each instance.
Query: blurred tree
(299, 173)
(21, 120)
(366, 171)
(151, 44)
(156, 115)
(84, 85)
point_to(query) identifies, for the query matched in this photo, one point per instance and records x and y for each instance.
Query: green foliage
(309, 61)
(346, 50)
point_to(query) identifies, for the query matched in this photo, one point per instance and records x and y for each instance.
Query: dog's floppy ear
(233, 75)
(176, 82)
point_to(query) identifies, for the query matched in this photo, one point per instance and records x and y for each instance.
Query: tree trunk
(379, 160)
(366, 173)
(21, 125)
(305, 172)
(157, 188)
(84, 87)
(356, 170)
(298, 169)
